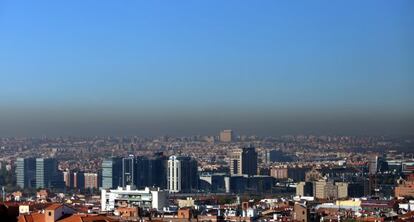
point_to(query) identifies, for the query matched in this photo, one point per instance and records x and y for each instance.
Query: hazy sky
(84, 67)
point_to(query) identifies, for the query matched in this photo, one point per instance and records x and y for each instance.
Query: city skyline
(211, 110)
(186, 68)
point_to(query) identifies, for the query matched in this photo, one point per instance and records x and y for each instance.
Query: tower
(243, 161)
(182, 174)
(26, 172)
(46, 172)
(112, 173)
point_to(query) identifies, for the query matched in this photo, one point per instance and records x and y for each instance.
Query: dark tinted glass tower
(142, 172)
(158, 171)
(249, 161)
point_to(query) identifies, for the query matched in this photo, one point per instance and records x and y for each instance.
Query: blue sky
(187, 67)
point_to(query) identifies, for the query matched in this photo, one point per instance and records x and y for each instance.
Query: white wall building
(150, 198)
(174, 174)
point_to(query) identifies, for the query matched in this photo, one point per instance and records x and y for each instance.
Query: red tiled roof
(34, 217)
(87, 218)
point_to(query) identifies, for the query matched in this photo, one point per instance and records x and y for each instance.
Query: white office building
(174, 174)
(148, 198)
(182, 174)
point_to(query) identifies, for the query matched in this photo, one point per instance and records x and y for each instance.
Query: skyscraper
(158, 171)
(136, 171)
(128, 171)
(182, 174)
(46, 172)
(243, 161)
(112, 173)
(142, 172)
(26, 172)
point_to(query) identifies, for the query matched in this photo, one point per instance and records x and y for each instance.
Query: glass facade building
(112, 173)
(26, 172)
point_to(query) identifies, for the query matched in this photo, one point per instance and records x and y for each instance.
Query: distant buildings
(182, 174)
(243, 161)
(226, 136)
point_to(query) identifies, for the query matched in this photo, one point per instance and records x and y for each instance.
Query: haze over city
(75, 68)
(206, 110)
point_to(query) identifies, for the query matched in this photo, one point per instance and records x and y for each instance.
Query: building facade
(148, 198)
(91, 180)
(182, 174)
(243, 161)
(47, 173)
(112, 173)
(26, 172)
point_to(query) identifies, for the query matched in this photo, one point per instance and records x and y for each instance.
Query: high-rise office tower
(182, 174)
(26, 172)
(135, 171)
(158, 171)
(243, 161)
(46, 172)
(112, 173)
(226, 136)
(128, 171)
(142, 172)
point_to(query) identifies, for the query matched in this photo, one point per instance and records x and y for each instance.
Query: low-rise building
(149, 198)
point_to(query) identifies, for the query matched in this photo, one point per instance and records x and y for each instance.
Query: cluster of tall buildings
(176, 173)
(44, 173)
(38, 173)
